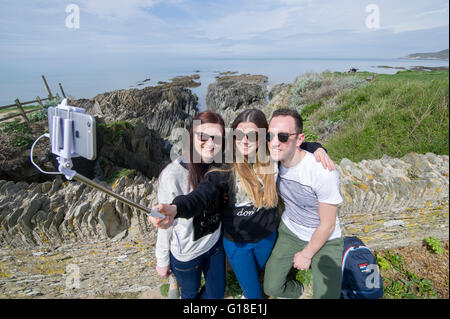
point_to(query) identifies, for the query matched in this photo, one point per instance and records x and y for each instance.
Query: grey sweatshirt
(179, 239)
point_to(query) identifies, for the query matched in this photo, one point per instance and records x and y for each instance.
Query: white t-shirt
(302, 187)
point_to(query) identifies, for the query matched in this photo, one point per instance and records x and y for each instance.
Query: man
(309, 234)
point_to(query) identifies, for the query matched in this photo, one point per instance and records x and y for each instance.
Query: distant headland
(440, 55)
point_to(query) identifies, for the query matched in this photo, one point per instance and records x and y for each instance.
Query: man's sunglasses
(217, 139)
(282, 137)
(251, 136)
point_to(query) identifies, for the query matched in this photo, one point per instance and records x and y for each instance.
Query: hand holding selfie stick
(72, 134)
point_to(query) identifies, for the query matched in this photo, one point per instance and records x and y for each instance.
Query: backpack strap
(344, 258)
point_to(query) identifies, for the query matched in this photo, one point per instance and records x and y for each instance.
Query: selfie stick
(62, 144)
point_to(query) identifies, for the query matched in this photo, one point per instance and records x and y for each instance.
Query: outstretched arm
(194, 203)
(203, 197)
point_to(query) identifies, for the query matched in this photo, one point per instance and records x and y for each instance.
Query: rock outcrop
(125, 145)
(50, 213)
(231, 94)
(160, 108)
(394, 202)
(388, 202)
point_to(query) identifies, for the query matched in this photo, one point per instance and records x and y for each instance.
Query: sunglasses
(282, 137)
(217, 139)
(251, 136)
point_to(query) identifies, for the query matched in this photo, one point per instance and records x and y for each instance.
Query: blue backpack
(360, 276)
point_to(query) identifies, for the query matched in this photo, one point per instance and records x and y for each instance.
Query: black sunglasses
(282, 137)
(251, 136)
(217, 139)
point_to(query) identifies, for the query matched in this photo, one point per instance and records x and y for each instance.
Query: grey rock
(230, 95)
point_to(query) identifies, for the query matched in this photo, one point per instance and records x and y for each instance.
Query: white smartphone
(83, 135)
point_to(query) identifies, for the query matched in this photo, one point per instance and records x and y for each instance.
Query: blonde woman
(250, 217)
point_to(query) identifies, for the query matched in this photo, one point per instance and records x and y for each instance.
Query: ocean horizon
(87, 82)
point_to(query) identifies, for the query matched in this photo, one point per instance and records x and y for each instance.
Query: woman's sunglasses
(282, 137)
(251, 136)
(217, 139)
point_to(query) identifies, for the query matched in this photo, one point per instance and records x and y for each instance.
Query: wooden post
(62, 90)
(22, 111)
(50, 96)
(40, 102)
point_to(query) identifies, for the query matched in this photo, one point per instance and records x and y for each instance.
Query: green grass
(233, 288)
(25, 108)
(114, 131)
(434, 245)
(394, 115)
(110, 180)
(402, 283)
(164, 290)
(20, 132)
(15, 126)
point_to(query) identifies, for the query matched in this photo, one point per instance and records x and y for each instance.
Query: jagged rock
(277, 89)
(230, 95)
(137, 147)
(161, 108)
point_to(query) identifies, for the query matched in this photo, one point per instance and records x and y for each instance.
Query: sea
(78, 83)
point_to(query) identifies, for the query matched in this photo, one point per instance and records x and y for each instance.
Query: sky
(41, 32)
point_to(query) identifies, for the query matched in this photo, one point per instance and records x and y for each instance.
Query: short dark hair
(293, 113)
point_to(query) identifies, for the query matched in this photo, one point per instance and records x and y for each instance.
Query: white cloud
(440, 11)
(245, 24)
(129, 9)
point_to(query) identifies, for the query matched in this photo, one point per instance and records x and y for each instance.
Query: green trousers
(325, 266)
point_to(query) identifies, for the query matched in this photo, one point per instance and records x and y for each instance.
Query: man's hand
(322, 156)
(163, 272)
(301, 261)
(170, 211)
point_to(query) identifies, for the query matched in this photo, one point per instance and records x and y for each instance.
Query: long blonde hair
(261, 195)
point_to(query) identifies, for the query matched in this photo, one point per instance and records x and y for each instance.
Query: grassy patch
(25, 108)
(20, 133)
(110, 180)
(115, 131)
(413, 273)
(394, 115)
(434, 245)
(15, 127)
(164, 290)
(233, 288)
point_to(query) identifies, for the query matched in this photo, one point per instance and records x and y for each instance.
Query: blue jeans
(189, 273)
(247, 261)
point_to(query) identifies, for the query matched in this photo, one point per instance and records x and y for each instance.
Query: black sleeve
(311, 146)
(204, 196)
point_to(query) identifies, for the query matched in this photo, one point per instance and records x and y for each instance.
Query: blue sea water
(90, 81)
